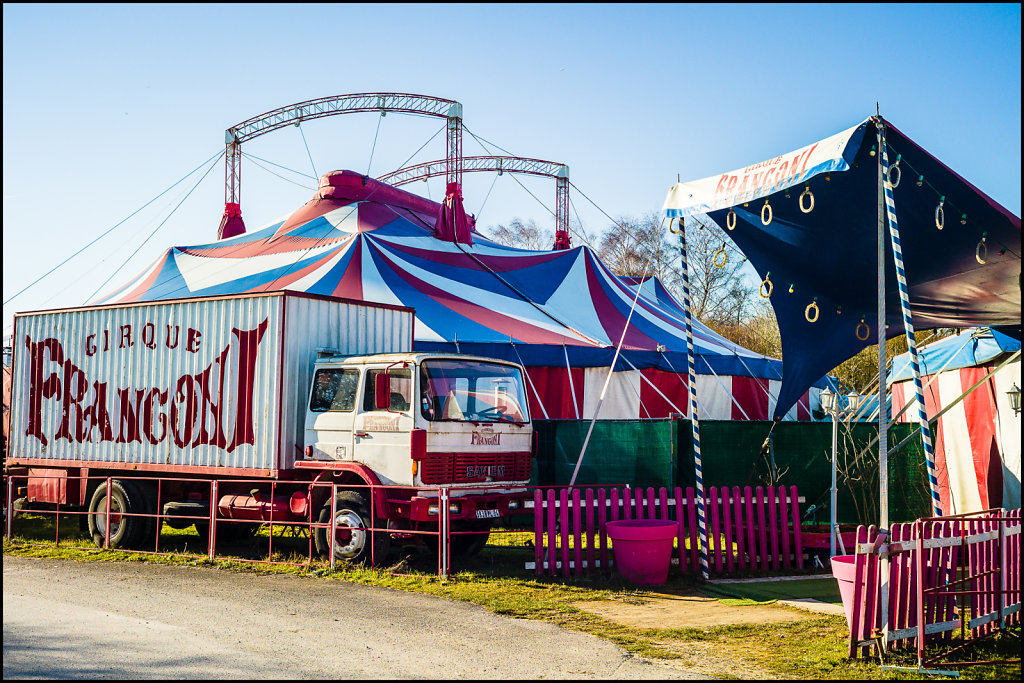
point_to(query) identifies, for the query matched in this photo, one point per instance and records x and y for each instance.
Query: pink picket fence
(952, 581)
(748, 530)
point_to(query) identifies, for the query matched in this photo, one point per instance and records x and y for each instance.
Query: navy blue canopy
(965, 274)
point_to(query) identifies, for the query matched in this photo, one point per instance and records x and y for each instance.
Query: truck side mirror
(382, 391)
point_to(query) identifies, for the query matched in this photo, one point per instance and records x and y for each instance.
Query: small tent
(559, 313)
(977, 438)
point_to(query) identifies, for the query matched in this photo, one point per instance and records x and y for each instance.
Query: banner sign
(759, 180)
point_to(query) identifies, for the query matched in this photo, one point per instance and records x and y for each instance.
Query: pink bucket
(844, 569)
(643, 548)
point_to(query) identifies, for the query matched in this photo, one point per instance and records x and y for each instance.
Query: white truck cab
(426, 420)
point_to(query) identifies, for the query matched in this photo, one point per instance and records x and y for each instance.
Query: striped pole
(691, 361)
(908, 326)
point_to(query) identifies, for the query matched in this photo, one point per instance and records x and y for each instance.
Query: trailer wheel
(353, 542)
(124, 531)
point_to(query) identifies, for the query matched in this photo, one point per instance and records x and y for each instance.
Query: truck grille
(469, 468)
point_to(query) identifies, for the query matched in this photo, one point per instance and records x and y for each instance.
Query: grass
(813, 647)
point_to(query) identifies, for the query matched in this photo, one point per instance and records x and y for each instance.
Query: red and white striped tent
(977, 439)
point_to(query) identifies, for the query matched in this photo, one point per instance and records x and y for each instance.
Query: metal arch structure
(294, 114)
(499, 165)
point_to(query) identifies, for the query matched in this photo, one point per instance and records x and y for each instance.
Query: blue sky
(105, 106)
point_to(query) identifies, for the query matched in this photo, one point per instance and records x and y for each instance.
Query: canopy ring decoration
(765, 290)
(767, 207)
(940, 214)
(730, 219)
(725, 257)
(812, 307)
(671, 221)
(810, 195)
(982, 248)
(895, 168)
(867, 330)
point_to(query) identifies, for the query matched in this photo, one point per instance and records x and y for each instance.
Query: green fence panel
(660, 453)
(731, 454)
(634, 452)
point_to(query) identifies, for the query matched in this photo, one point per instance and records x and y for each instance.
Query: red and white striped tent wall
(977, 440)
(559, 313)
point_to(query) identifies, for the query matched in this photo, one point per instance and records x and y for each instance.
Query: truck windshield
(472, 391)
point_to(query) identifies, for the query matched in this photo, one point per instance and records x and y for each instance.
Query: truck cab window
(401, 389)
(334, 390)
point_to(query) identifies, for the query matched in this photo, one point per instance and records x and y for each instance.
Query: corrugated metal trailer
(202, 385)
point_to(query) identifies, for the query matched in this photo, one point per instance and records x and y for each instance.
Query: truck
(251, 408)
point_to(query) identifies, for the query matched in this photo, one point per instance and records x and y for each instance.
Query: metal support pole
(908, 324)
(883, 408)
(213, 520)
(562, 200)
(232, 173)
(691, 358)
(832, 508)
(445, 570)
(454, 155)
(106, 521)
(334, 512)
(8, 530)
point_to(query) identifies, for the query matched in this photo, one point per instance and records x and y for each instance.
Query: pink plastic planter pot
(643, 548)
(843, 569)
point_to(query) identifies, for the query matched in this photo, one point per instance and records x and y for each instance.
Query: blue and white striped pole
(691, 361)
(908, 326)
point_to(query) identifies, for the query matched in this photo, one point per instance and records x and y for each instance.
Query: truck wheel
(124, 531)
(470, 545)
(351, 544)
(145, 495)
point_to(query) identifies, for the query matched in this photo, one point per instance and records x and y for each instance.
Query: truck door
(331, 410)
(382, 436)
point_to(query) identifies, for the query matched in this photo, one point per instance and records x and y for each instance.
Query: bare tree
(531, 236)
(522, 235)
(642, 246)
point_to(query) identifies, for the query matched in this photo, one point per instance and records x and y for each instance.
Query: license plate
(487, 514)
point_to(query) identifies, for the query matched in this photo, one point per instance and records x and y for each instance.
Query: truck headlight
(455, 507)
(432, 509)
(513, 505)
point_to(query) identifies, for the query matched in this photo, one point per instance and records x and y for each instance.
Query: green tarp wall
(660, 453)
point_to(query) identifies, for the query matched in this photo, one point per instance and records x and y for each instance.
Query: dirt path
(66, 619)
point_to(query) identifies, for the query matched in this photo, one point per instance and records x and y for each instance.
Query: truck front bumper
(468, 507)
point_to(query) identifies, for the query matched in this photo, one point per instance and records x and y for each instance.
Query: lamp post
(839, 407)
(1014, 396)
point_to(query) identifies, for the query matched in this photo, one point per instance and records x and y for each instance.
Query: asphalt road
(65, 619)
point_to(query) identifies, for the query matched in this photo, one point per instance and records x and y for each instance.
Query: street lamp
(839, 407)
(1014, 396)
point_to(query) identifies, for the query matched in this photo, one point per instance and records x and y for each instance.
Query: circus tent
(560, 313)
(977, 436)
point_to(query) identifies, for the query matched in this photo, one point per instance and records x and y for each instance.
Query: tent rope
(119, 223)
(150, 236)
(908, 327)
